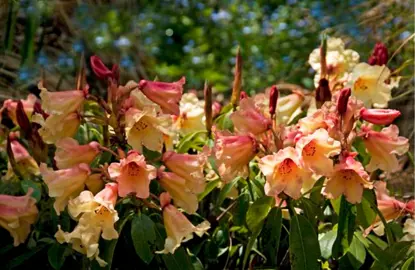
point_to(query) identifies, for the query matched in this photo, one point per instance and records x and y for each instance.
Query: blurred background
(198, 39)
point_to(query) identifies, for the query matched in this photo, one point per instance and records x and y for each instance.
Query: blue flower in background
(126, 62)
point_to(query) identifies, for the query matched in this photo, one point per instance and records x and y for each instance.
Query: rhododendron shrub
(295, 179)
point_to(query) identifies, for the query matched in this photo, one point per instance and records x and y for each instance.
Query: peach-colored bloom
(167, 95)
(383, 147)
(25, 163)
(176, 186)
(133, 175)
(69, 153)
(349, 178)
(17, 214)
(64, 184)
(233, 154)
(56, 127)
(178, 227)
(283, 173)
(11, 107)
(311, 123)
(146, 128)
(316, 150)
(288, 107)
(61, 103)
(96, 217)
(192, 114)
(188, 167)
(249, 119)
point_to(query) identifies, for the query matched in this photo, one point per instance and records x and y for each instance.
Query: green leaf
(365, 212)
(239, 212)
(326, 243)
(409, 264)
(271, 234)
(377, 253)
(304, 245)
(251, 243)
(311, 210)
(37, 188)
(345, 228)
(225, 190)
(208, 189)
(315, 195)
(258, 211)
(143, 236)
(356, 253)
(178, 261)
(16, 261)
(56, 255)
(186, 142)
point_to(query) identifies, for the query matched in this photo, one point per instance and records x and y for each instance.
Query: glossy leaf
(258, 211)
(143, 236)
(326, 243)
(365, 212)
(356, 253)
(56, 255)
(345, 228)
(271, 234)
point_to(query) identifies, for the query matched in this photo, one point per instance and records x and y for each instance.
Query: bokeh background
(199, 39)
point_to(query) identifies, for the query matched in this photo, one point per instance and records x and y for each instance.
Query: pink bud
(379, 55)
(379, 116)
(22, 118)
(164, 199)
(343, 100)
(216, 107)
(242, 95)
(273, 99)
(99, 68)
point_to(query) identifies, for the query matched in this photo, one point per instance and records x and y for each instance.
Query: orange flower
(188, 167)
(349, 178)
(316, 150)
(17, 214)
(283, 173)
(176, 186)
(70, 153)
(178, 227)
(133, 175)
(61, 103)
(383, 147)
(233, 154)
(249, 119)
(25, 163)
(11, 107)
(64, 184)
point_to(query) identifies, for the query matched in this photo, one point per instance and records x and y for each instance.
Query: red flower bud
(242, 95)
(273, 98)
(216, 107)
(115, 72)
(343, 100)
(208, 107)
(379, 55)
(22, 118)
(379, 116)
(100, 70)
(323, 92)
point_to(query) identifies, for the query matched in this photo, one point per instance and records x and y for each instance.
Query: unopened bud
(323, 93)
(216, 107)
(242, 95)
(343, 100)
(273, 99)
(100, 70)
(379, 116)
(323, 53)
(379, 55)
(237, 81)
(37, 108)
(208, 107)
(22, 119)
(115, 72)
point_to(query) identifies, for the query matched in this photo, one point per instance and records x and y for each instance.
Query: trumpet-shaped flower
(284, 173)
(339, 61)
(57, 127)
(70, 153)
(188, 167)
(11, 107)
(61, 103)
(96, 217)
(146, 128)
(64, 184)
(17, 214)
(383, 147)
(178, 227)
(313, 122)
(192, 114)
(176, 186)
(25, 163)
(349, 178)
(249, 119)
(316, 150)
(167, 95)
(233, 154)
(288, 107)
(133, 175)
(368, 85)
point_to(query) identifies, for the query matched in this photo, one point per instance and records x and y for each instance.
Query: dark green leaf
(37, 188)
(225, 190)
(315, 195)
(326, 243)
(143, 236)
(16, 261)
(409, 264)
(365, 212)
(56, 255)
(304, 245)
(356, 253)
(239, 213)
(258, 211)
(209, 188)
(251, 242)
(345, 228)
(271, 234)
(178, 261)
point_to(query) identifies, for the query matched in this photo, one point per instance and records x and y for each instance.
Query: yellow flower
(17, 214)
(96, 218)
(56, 127)
(192, 115)
(178, 227)
(349, 178)
(25, 163)
(64, 184)
(61, 103)
(146, 128)
(283, 173)
(316, 150)
(288, 107)
(69, 153)
(368, 85)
